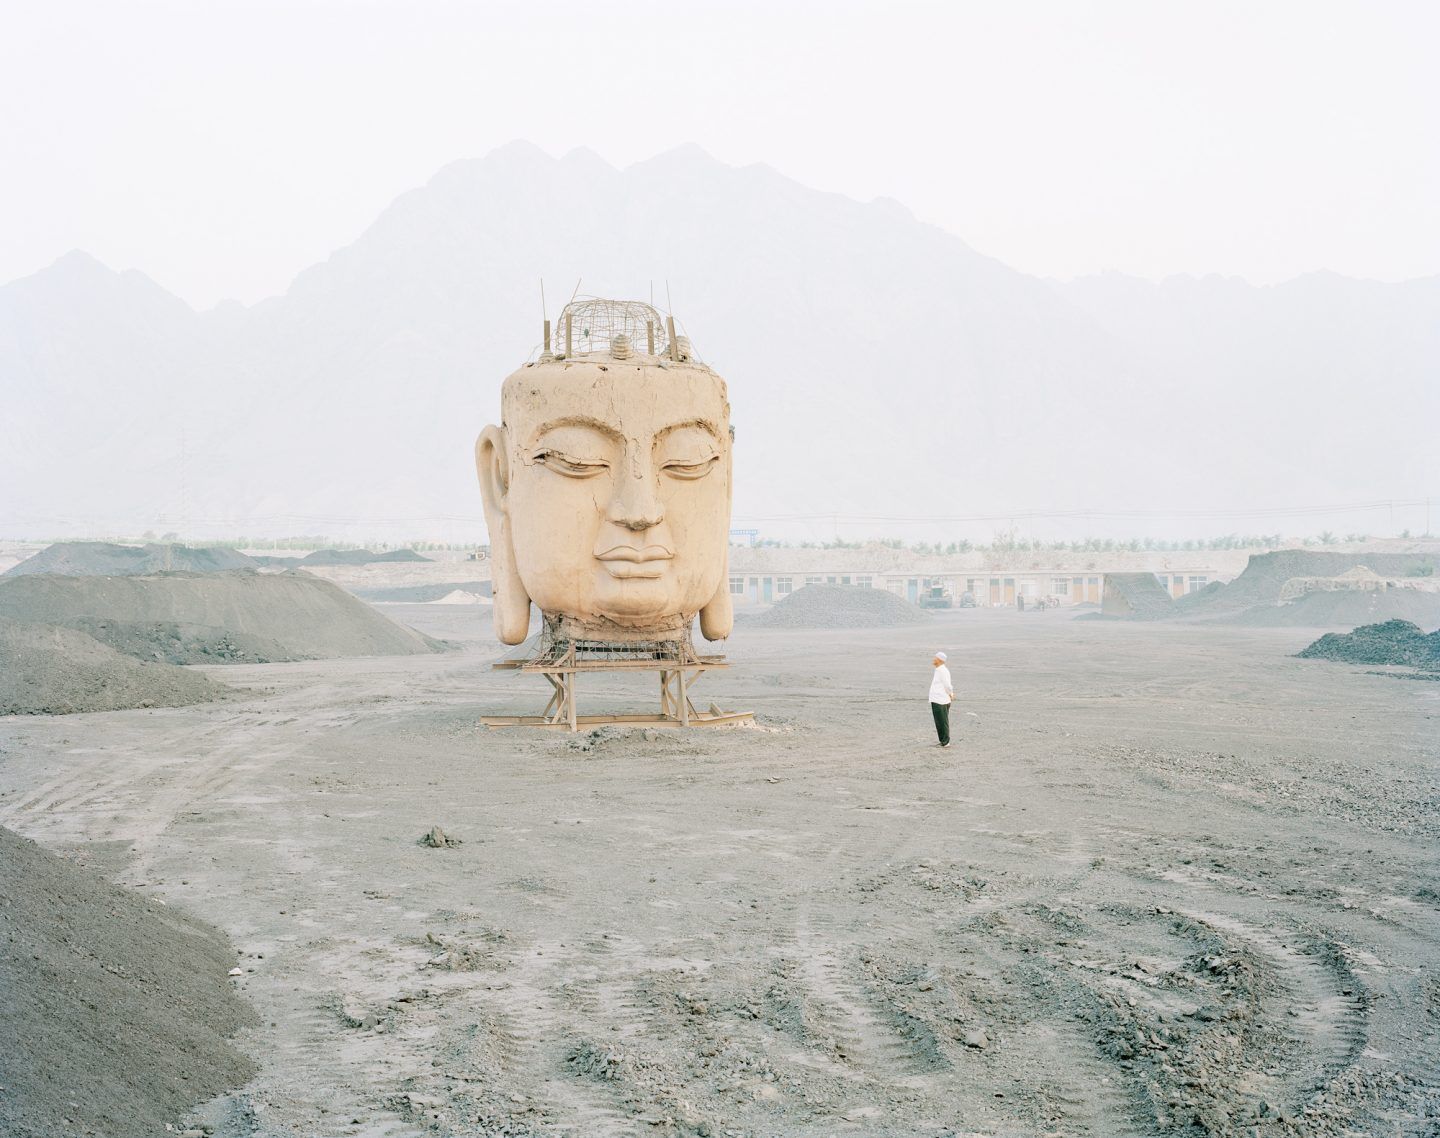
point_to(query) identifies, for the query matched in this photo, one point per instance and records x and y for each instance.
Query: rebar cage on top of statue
(593, 325)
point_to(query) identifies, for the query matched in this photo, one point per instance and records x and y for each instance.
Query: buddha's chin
(629, 600)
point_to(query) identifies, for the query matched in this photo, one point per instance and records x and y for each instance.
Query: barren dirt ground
(1167, 879)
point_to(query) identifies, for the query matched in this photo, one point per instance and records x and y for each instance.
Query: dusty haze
(1010, 347)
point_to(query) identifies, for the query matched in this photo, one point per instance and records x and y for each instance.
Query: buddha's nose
(636, 504)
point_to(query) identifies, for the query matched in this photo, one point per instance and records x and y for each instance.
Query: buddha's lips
(626, 561)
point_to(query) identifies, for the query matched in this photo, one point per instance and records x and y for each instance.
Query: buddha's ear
(511, 610)
(717, 618)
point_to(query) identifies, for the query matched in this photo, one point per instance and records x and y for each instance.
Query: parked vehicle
(936, 597)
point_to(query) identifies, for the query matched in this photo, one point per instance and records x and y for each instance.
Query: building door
(995, 594)
(1077, 589)
(769, 586)
(1092, 590)
(1177, 586)
(1009, 590)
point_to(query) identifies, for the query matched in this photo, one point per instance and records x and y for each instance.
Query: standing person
(941, 693)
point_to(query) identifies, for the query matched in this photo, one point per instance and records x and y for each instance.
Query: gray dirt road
(1169, 880)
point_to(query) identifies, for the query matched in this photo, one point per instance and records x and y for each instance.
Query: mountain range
(880, 370)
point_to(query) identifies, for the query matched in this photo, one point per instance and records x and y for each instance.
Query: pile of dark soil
(423, 594)
(214, 618)
(359, 557)
(45, 670)
(840, 606)
(102, 559)
(116, 1009)
(1345, 608)
(173, 643)
(1266, 573)
(1135, 596)
(1393, 642)
(342, 557)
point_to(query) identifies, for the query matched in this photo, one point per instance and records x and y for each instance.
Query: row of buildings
(765, 575)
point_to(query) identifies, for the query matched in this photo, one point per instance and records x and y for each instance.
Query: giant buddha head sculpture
(607, 485)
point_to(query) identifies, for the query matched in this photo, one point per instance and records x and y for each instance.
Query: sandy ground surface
(1167, 879)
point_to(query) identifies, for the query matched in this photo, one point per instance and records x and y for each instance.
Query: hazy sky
(222, 147)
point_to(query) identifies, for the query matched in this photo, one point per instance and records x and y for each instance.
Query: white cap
(941, 656)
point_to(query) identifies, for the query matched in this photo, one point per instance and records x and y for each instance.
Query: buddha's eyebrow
(578, 421)
(703, 424)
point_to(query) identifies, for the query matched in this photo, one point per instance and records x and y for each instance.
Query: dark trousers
(941, 711)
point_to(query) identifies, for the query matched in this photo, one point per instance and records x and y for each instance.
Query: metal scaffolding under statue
(560, 660)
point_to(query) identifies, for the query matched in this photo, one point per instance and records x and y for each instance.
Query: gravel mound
(45, 670)
(116, 1008)
(1393, 642)
(1266, 573)
(173, 643)
(1135, 596)
(840, 606)
(422, 594)
(214, 618)
(339, 557)
(1345, 609)
(102, 559)
(358, 557)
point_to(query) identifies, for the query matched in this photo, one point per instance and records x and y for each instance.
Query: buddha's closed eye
(687, 451)
(570, 465)
(691, 467)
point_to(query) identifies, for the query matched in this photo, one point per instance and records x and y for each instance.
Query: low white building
(763, 575)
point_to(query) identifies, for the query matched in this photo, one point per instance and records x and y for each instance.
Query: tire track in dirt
(862, 1031)
(544, 1036)
(319, 1074)
(1325, 1019)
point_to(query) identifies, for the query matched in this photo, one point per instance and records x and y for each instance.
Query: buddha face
(607, 494)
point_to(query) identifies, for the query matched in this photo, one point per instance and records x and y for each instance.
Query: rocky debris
(46, 670)
(1397, 642)
(976, 1039)
(840, 606)
(1135, 596)
(117, 1013)
(596, 1061)
(213, 618)
(468, 950)
(103, 559)
(437, 839)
